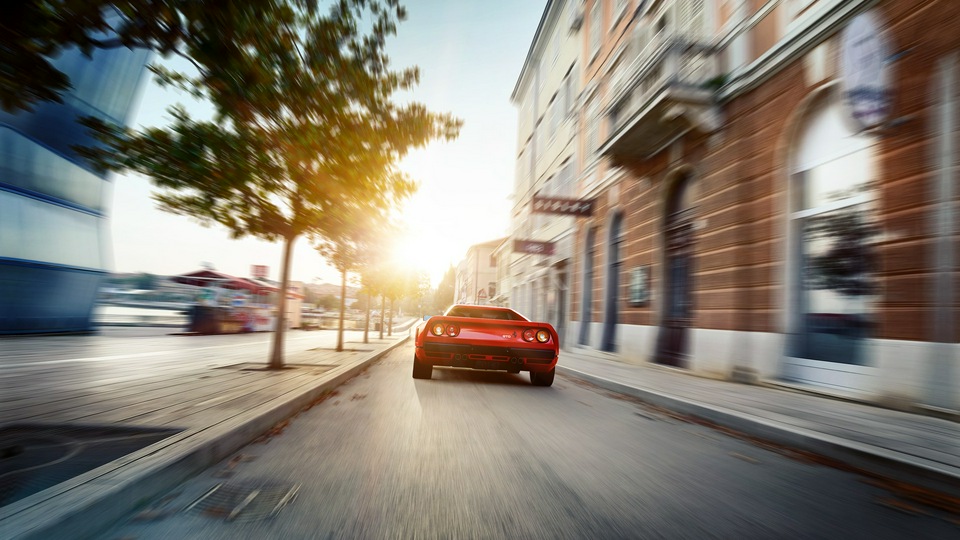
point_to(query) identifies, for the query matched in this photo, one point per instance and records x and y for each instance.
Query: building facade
(54, 242)
(476, 279)
(774, 192)
(540, 247)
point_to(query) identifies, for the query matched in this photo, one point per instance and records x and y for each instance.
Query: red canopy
(207, 278)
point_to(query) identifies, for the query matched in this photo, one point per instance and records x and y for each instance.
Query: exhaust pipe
(514, 360)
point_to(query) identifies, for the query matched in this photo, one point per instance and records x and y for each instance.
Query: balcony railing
(668, 86)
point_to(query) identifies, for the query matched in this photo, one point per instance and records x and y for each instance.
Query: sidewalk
(882, 443)
(212, 412)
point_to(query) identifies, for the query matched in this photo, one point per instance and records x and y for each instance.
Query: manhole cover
(34, 457)
(249, 500)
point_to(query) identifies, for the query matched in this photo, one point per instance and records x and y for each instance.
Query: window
(593, 127)
(595, 16)
(834, 231)
(564, 186)
(28, 165)
(33, 230)
(569, 93)
(520, 172)
(618, 11)
(556, 110)
(107, 84)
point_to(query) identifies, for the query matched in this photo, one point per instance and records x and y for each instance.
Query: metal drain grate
(245, 501)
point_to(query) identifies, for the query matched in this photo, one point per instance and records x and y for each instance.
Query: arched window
(834, 233)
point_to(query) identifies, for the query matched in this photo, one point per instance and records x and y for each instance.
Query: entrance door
(586, 305)
(561, 325)
(672, 341)
(612, 301)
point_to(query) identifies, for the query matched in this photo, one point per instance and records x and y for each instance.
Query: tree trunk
(390, 321)
(366, 325)
(276, 353)
(383, 301)
(343, 307)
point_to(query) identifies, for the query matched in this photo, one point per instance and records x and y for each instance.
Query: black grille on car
(487, 350)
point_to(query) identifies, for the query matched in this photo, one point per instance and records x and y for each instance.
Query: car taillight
(437, 329)
(543, 336)
(529, 334)
(453, 330)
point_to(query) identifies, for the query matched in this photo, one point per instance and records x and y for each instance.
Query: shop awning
(209, 278)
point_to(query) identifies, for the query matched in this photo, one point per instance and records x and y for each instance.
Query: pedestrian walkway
(892, 444)
(212, 408)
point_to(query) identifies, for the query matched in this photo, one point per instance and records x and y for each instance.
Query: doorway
(612, 301)
(586, 306)
(673, 338)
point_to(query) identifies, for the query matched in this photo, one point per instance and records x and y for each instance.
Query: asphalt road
(486, 455)
(130, 354)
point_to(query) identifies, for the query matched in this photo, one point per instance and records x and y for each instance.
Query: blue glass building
(54, 236)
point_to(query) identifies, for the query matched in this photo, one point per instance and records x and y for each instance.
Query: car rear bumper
(487, 357)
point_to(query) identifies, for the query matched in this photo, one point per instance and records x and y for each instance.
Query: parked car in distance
(487, 338)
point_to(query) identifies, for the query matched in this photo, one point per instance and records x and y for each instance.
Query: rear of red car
(497, 339)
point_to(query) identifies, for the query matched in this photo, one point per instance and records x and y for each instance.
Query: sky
(470, 54)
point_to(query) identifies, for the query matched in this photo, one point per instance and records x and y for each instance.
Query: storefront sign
(259, 271)
(639, 285)
(864, 71)
(570, 207)
(533, 246)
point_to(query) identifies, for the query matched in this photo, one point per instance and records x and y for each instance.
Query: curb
(89, 503)
(862, 458)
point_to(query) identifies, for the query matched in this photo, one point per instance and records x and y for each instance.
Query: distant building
(476, 281)
(54, 242)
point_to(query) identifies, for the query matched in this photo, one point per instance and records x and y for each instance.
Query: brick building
(775, 193)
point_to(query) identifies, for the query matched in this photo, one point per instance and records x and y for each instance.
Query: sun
(416, 250)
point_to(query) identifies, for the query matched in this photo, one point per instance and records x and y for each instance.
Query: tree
(372, 279)
(396, 285)
(355, 233)
(304, 124)
(32, 32)
(328, 301)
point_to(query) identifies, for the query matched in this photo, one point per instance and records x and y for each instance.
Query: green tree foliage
(305, 124)
(328, 302)
(32, 32)
(356, 234)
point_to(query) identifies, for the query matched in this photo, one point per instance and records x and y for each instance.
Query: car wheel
(421, 371)
(543, 378)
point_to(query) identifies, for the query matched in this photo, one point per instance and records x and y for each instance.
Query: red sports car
(487, 337)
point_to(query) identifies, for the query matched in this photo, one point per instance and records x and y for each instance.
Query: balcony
(659, 96)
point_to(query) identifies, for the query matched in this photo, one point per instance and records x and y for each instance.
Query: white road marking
(138, 355)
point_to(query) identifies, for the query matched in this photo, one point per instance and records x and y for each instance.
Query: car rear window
(476, 313)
